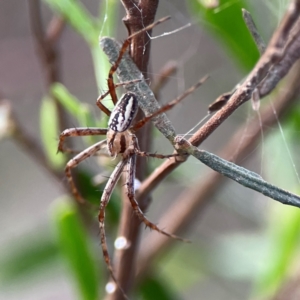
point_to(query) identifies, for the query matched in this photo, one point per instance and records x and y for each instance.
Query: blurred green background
(244, 245)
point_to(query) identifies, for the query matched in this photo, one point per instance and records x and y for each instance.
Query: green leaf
(183, 266)
(293, 120)
(49, 126)
(284, 225)
(67, 100)
(109, 12)
(226, 22)
(19, 260)
(284, 238)
(76, 15)
(156, 288)
(72, 104)
(75, 244)
(85, 117)
(93, 194)
(277, 161)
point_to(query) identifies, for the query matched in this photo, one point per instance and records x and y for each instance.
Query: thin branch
(195, 198)
(290, 289)
(274, 54)
(241, 95)
(164, 74)
(290, 54)
(24, 140)
(55, 29)
(46, 44)
(278, 71)
(138, 15)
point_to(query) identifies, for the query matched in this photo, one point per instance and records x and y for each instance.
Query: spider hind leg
(113, 179)
(130, 193)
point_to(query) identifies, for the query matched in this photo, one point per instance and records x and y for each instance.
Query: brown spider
(121, 141)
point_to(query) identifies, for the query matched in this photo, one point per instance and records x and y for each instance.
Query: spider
(120, 141)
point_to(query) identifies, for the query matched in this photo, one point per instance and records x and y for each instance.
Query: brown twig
(46, 41)
(46, 45)
(138, 15)
(164, 74)
(194, 199)
(290, 290)
(273, 55)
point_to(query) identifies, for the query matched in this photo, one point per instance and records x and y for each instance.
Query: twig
(290, 289)
(138, 15)
(274, 53)
(24, 140)
(290, 53)
(271, 56)
(194, 199)
(278, 71)
(164, 74)
(46, 44)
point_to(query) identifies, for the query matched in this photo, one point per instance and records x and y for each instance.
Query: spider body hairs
(120, 140)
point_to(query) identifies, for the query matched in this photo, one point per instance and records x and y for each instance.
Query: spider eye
(123, 113)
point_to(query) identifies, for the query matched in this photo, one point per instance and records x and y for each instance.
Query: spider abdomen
(124, 112)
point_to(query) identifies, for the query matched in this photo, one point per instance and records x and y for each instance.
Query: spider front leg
(131, 196)
(75, 161)
(80, 131)
(102, 96)
(169, 105)
(113, 179)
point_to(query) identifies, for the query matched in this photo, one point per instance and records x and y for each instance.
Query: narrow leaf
(31, 255)
(76, 15)
(72, 104)
(75, 245)
(155, 288)
(284, 240)
(225, 21)
(49, 127)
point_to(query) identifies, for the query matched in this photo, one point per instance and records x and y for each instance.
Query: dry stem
(138, 15)
(194, 199)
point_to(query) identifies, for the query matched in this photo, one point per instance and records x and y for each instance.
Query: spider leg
(81, 131)
(101, 216)
(130, 193)
(102, 106)
(155, 155)
(75, 152)
(75, 161)
(169, 105)
(102, 96)
(114, 67)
